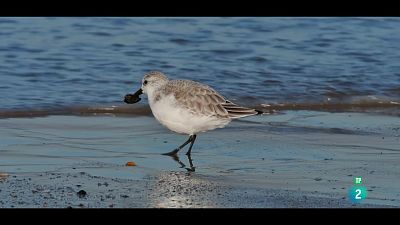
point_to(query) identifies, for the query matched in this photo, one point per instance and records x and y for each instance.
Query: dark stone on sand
(81, 193)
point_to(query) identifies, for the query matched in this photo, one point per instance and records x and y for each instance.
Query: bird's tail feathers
(235, 111)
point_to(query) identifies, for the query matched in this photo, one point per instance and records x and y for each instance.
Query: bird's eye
(145, 82)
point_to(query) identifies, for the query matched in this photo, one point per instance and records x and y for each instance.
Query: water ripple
(53, 62)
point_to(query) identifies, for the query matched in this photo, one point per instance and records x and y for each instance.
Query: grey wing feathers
(200, 98)
(235, 111)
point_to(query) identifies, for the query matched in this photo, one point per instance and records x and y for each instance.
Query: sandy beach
(301, 159)
(329, 87)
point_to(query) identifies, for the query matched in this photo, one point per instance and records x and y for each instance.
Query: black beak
(133, 98)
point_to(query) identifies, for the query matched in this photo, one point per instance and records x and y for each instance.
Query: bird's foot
(191, 169)
(172, 153)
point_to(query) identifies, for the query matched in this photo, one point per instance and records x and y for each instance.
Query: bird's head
(150, 82)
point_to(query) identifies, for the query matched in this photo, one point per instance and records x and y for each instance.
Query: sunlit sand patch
(181, 190)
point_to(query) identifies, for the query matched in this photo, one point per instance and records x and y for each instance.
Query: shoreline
(387, 107)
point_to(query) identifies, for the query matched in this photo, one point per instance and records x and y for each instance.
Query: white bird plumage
(189, 107)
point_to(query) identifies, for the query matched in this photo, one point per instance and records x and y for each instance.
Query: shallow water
(54, 62)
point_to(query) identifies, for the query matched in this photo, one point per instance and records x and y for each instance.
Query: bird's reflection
(175, 157)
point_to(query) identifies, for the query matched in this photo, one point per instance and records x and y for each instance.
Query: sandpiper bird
(187, 107)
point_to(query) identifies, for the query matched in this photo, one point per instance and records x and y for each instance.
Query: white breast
(181, 120)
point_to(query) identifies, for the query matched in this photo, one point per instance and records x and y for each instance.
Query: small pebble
(81, 193)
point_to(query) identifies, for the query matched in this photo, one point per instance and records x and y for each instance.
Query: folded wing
(204, 100)
(235, 111)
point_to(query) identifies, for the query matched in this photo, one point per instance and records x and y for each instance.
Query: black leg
(191, 145)
(192, 168)
(174, 152)
(176, 158)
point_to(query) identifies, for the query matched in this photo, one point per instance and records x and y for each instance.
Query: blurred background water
(63, 62)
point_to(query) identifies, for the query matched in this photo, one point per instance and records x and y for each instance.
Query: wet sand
(295, 159)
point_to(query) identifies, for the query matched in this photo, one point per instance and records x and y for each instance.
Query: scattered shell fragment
(131, 164)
